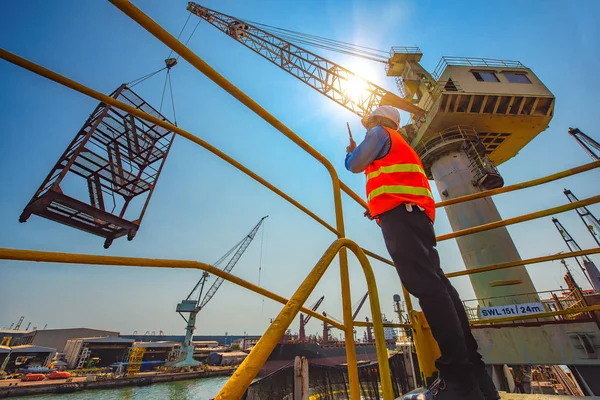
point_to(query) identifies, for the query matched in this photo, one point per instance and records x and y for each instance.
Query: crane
(193, 304)
(589, 145)
(360, 304)
(304, 320)
(18, 326)
(325, 76)
(590, 271)
(589, 220)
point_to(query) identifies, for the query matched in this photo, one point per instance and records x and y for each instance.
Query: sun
(356, 86)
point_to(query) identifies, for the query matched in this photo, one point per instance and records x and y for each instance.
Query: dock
(14, 387)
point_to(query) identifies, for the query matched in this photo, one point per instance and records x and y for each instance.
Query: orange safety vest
(398, 178)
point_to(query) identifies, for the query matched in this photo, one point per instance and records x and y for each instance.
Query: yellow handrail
(75, 258)
(241, 379)
(535, 260)
(521, 218)
(522, 185)
(538, 315)
(238, 383)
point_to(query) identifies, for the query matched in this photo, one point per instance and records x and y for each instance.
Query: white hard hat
(388, 112)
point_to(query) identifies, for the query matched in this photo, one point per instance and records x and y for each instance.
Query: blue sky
(202, 206)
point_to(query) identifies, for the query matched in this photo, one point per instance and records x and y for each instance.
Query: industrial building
(97, 352)
(25, 356)
(158, 351)
(54, 338)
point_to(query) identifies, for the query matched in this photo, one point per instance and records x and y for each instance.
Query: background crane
(330, 79)
(192, 304)
(590, 271)
(589, 145)
(589, 220)
(304, 320)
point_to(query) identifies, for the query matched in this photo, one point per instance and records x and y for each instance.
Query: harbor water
(198, 389)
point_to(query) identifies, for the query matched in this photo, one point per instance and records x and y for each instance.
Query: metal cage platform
(115, 158)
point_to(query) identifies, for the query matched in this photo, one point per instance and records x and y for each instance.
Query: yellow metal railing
(425, 346)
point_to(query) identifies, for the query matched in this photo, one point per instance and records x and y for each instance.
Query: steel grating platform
(114, 159)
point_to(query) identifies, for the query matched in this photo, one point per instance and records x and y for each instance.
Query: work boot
(446, 389)
(486, 385)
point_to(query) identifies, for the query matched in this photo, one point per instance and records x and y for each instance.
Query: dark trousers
(410, 240)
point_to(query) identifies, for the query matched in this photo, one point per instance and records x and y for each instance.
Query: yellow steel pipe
(385, 324)
(538, 315)
(170, 41)
(522, 185)
(521, 218)
(73, 258)
(241, 379)
(37, 69)
(524, 262)
(19, 61)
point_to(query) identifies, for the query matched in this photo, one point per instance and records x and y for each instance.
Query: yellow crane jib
(325, 76)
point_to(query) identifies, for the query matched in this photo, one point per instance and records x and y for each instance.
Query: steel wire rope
(380, 60)
(323, 39)
(260, 261)
(181, 32)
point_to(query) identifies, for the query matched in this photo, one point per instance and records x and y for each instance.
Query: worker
(400, 199)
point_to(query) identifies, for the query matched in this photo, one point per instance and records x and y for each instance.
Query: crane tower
(192, 304)
(467, 117)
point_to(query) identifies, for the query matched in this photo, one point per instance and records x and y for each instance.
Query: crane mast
(325, 76)
(192, 306)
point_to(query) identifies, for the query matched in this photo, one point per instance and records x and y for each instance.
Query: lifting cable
(170, 62)
(260, 262)
(338, 46)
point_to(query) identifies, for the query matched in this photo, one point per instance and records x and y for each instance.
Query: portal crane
(18, 326)
(589, 220)
(589, 145)
(192, 304)
(325, 76)
(304, 320)
(589, 268)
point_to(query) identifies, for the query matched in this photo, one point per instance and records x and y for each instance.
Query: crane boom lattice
(325, 76)
(589, 269)
(590, 221)
(589, 145)
(236, 256)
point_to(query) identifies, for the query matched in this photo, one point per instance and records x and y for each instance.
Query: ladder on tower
(485, 173)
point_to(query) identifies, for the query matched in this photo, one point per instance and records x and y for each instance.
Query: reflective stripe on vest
(396, 168)
(399, 189)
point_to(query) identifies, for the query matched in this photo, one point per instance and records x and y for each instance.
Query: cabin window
(516, 77)
(485, 76)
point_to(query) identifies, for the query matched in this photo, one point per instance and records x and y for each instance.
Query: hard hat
(388, 112)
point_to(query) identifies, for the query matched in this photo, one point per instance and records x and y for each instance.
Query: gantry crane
(304, 320)
(590, 271)
(325, 76)
(589, 220)
(589, 145)
(192, 304)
